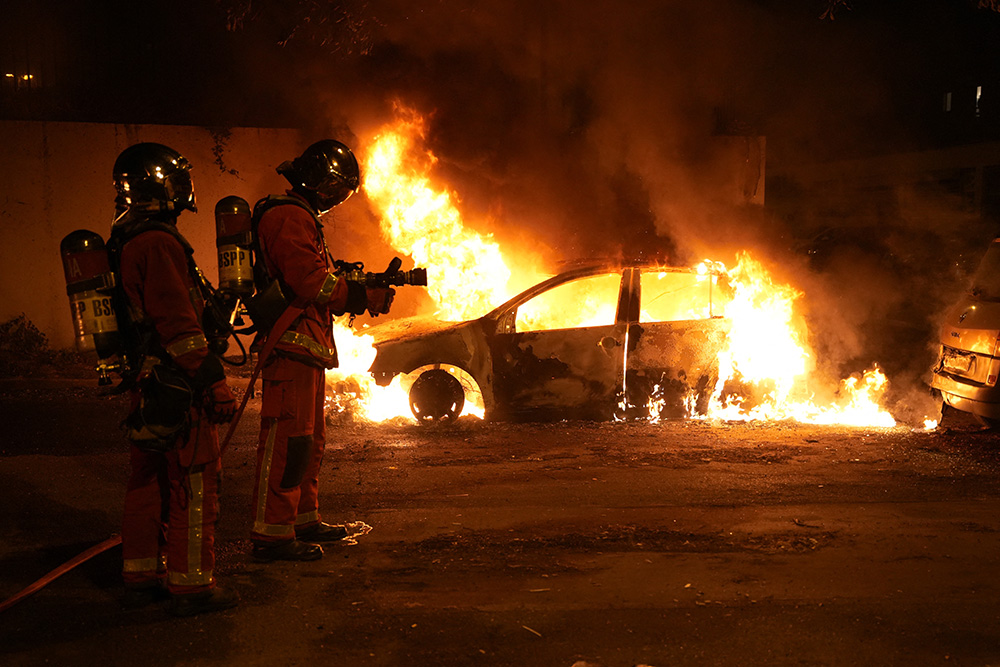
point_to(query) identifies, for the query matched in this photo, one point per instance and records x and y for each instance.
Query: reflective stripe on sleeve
(185, 345)
(320, 351)
(326, 289)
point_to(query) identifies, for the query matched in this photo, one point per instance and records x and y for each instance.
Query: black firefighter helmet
(152, 178)
(326, 174)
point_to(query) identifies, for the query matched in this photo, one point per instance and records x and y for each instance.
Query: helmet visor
(333, 191)
(180, 190)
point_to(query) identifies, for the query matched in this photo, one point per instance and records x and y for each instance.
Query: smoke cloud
(586, 129)
(602, 129)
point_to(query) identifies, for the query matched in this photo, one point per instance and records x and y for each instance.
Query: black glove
(379, 300)
(220, 404)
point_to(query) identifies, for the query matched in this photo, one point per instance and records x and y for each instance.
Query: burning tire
(436, 396)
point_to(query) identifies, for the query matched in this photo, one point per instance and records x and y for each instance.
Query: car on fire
(968, 362)
(600, 341)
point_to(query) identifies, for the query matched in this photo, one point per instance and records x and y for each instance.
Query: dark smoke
(592, 129)
(584, 129)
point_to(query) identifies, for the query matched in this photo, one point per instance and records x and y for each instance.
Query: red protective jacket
(291, 242)
(161, 291)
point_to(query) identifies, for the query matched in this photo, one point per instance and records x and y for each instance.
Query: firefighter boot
(216, 599)
(322, 532)
(142, 595)
(294, 550)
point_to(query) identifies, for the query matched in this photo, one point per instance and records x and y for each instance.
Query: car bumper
(977, 399)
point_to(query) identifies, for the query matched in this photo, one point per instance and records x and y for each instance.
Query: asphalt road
(533, 544)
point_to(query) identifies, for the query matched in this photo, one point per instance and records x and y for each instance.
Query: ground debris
(355, 529)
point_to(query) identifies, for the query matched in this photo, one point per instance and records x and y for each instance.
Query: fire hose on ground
(83, 557)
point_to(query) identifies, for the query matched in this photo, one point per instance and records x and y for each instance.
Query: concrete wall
(57, 177)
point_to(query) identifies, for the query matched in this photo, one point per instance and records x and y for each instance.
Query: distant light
(979, 95)
(947, 102)
(26, 77)
(9, 75)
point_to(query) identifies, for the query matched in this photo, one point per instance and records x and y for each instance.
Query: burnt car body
(968, 363)
(629, 336)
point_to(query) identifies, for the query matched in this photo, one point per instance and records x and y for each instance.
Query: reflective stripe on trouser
(289, 451)
(144, 535)
(168, 528)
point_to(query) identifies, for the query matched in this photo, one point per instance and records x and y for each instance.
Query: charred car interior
(602, 341)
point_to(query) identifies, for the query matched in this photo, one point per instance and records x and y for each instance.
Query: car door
(559, 353)
(674, 338)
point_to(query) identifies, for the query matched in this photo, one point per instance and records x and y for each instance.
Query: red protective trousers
(168, 528)
(290, 450)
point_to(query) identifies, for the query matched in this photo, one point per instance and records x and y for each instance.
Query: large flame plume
(466, 274)
(767, 352)
(764, 372)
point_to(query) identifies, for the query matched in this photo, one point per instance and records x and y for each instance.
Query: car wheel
(436, 396)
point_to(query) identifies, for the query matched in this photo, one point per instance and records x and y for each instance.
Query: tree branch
(335, 25)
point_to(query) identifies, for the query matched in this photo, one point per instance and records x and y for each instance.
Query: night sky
(856, 84)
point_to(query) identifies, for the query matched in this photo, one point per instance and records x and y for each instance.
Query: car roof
(612, 264)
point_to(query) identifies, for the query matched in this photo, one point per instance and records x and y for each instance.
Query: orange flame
(764, 371)
(351, 390)
(466, 274)
(767, 351)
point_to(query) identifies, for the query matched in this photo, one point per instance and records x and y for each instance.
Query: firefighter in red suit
(171, 501)
(287, 524)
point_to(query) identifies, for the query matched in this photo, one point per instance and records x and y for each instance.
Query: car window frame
(505, 315)
(629, 293)
(637, 279)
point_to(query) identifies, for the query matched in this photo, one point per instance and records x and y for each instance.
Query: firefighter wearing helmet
(178, 388)
(293, 258)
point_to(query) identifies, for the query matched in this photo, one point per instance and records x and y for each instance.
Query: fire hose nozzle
(392, 277)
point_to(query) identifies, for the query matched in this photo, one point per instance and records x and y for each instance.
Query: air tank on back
(89, 283)
(234, 241)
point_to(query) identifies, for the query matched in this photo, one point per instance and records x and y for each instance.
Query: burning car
(599, 341)
(968, 364)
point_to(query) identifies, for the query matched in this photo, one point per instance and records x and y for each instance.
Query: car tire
(436, 396)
